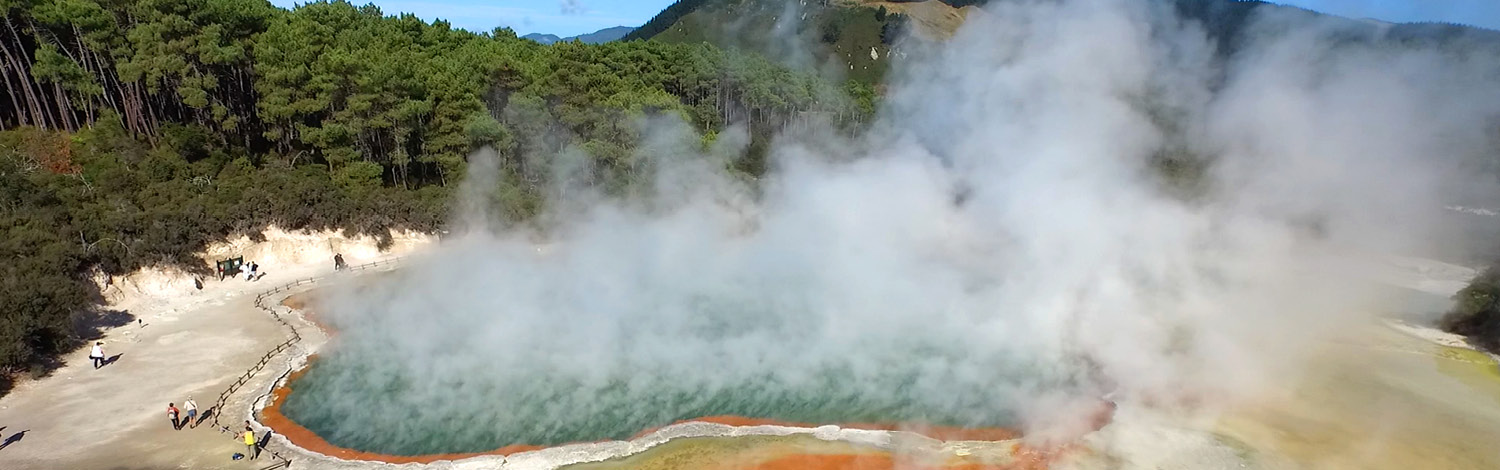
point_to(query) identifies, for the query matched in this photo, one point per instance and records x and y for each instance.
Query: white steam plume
(999, 248)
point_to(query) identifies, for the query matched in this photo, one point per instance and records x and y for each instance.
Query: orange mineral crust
(297, 301)
(301, 303)
(942, 433)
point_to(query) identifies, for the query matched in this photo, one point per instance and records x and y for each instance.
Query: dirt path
(115, 417)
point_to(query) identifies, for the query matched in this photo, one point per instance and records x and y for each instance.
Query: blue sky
(573, 17)
(560, 17)
(1485, 13)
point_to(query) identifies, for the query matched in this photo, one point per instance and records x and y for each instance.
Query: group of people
(190, 419)
(251, 271)
(187, 415)
(252, 447)
(179, 419)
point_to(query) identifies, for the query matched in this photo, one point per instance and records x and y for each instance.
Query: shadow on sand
(14, 438)
(41, 367)
(204, 417)
(88, 326)
(92, 325)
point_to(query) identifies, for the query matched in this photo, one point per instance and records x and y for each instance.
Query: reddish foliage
(53, 150)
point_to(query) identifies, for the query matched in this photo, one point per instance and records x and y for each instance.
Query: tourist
(250, 273)
(338, 262)
(192, 412)
(249, 441)
(172, 412)
(97, 354)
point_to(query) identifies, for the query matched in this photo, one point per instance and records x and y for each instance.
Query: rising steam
(1001, 245)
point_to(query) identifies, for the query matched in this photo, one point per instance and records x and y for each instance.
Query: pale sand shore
(193, 343)
(1390, 400)
(1392, 394)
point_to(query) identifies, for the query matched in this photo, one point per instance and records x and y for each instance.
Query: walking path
(115, 417)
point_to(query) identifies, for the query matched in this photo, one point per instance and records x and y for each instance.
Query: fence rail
(295, 337)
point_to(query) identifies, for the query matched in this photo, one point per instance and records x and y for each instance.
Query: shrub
(1475, 313)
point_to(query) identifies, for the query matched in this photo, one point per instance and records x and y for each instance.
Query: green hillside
(839, 34)
(136, 132)
(837, 37)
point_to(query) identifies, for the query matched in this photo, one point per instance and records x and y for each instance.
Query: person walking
(249, 442)
(172, 412)
(97, 354)
(192, 412)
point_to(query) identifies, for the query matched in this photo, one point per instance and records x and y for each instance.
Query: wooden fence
(295, 337)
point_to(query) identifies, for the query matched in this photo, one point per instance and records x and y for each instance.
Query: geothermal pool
(396, 385)
(546, 410)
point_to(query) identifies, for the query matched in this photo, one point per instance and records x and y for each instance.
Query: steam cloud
(999, 247)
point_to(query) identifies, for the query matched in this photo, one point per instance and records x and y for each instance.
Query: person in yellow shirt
(249, 443)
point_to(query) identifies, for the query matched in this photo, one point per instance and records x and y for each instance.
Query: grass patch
(1475, 369)
(1480, 363)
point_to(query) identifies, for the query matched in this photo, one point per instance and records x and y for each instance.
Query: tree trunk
(38, 107)
(133, 118)
(83, 61)
(132, 104)
(64, 108)
(150, 110)
(111, 85)
(15, 104)
(90, 57)
(23, 73)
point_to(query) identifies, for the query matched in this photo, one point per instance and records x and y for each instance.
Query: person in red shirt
(172, 413)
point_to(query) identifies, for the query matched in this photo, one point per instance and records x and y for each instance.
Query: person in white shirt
(192, 412)
(97, 354)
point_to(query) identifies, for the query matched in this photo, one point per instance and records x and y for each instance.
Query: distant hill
(542, 38)
(848, 37)
(596, 37)
(855, 36)
(605, 35)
